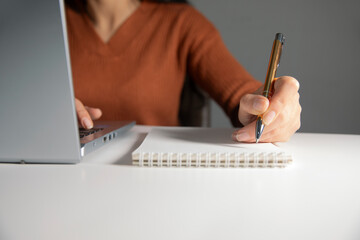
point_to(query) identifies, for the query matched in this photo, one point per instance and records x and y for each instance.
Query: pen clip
(280, 37)
(278, 62)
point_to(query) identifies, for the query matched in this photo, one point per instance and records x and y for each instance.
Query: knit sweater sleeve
(212, 66)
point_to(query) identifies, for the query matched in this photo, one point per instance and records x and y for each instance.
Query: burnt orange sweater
(139, 74)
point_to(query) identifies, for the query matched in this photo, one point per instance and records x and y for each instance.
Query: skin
(281, 115)
(108, 15)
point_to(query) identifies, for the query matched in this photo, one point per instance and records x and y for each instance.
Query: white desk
(318, 197)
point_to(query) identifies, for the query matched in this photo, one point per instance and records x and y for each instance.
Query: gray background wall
(322, 50)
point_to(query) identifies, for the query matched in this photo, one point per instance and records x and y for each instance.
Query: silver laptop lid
(37, 114)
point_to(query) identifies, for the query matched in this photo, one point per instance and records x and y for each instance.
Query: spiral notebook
(205, 147)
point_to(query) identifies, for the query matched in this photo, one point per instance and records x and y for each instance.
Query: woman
(129, 58)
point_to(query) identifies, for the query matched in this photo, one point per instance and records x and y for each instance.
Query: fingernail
(258, 105)
(242, 136)
(269, 117)
(233, 136)
(87, 123)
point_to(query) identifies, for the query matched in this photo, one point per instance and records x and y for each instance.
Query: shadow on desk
(126, 158)
(119, 151)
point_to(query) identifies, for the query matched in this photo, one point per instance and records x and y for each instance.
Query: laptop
(38, 121)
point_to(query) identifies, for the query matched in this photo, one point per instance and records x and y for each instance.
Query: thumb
(252, 105)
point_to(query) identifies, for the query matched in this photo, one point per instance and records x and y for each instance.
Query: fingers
(252, 105)
(95, 113)
(86, 114)
(245, 134)
(284, 90)
(83, 115)
(281, 118)
(274, 132)
(279, 134)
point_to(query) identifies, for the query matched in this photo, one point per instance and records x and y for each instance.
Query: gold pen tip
(257, 140)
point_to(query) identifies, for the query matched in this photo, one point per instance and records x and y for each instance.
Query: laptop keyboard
(86, 132)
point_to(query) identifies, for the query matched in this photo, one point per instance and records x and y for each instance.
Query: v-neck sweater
(139, 73)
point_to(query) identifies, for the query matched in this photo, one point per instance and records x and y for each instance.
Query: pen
(270, 75)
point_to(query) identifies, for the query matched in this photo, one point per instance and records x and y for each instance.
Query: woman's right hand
(86, 115)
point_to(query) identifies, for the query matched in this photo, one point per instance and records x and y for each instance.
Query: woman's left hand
(281, 115)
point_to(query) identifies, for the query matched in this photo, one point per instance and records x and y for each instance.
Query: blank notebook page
(205, 147)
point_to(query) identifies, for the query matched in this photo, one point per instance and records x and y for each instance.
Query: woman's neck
(108, 15)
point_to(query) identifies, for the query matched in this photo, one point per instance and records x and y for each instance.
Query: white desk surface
(104, 197)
